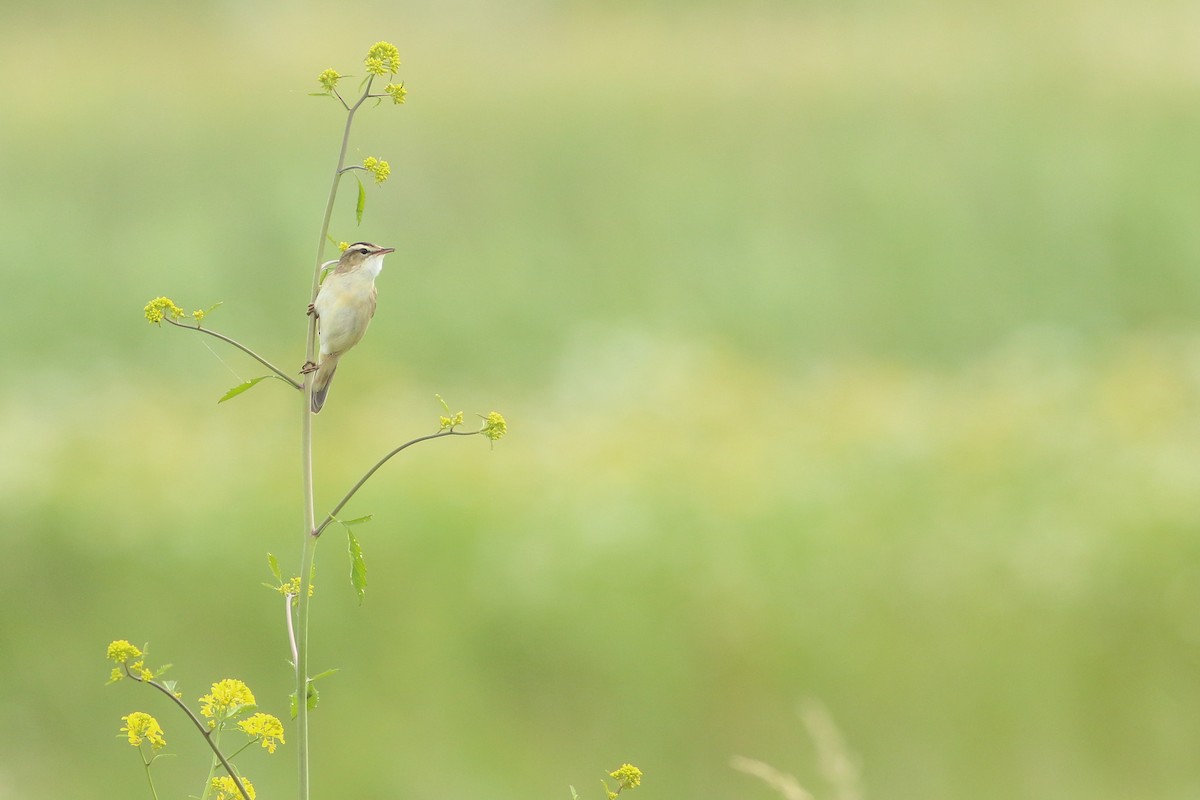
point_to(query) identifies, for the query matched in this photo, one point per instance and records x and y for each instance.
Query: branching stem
(361, 481)
(280, 373)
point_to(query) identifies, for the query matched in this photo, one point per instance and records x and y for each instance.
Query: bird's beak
(383, 251)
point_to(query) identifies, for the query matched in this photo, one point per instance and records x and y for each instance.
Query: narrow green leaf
(314, 696)
(357, 520)
(274, 564)
(574, 794)
(324, 674)
(215, 306)
(358, 567)
(242, 387)
(362, 200)
(319, 94)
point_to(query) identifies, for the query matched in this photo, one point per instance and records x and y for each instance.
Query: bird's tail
(322, 380)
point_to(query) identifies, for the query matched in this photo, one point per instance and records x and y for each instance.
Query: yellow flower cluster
(397, 91)
(377, 167)
(494, 426)
(140, 727)
(226, 699)
(328, 79)
(451, 422)
(127, 657)
(629, 776)
(343, 246)
(121, 651)
(291, 588)
(160, 307)
(265, 728)
(226, 789)
(383, 59)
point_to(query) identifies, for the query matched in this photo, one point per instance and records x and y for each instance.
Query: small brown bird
(344, 307)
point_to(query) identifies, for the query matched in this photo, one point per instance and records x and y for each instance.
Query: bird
(343, 308)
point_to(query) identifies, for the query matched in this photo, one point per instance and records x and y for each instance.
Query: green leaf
(574, 794)
(358, 567)
(242, 387)
(357, 520)
(171, 686)
(314, 697)
(274, 562)
(215, 306)
(362, 200)
(319, 94)
(324, 674)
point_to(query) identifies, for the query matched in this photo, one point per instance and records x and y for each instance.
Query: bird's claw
(308, 367)
(312, 310)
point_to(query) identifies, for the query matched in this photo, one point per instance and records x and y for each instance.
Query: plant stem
(239, 346)
(150, 780)
(342, 503)
(308, 554)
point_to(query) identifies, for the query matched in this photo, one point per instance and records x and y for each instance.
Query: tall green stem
(306, 460)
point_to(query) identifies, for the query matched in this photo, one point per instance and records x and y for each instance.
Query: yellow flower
(397, 91)
(629, 776)
(198, 315)
(291, 588)
(377, 167)
(227, 699)
(451, 422)
(226, 789)
(264, 727)
(141, 726)
(494, 426)
(343, 246)
(383, 58)
(121, 651)
(328, 79)
(160, 307)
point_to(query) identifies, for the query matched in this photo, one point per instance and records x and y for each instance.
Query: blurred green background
(849, 351)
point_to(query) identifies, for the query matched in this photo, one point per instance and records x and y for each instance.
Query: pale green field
(849, 352)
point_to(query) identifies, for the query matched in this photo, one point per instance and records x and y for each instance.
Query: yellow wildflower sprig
(397, 92)
(141, 727)
(382, 59)
(627, 776)
(264, 728)
(228, 698)
(451, 420)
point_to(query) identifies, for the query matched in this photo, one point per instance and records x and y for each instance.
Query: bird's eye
(363, 250)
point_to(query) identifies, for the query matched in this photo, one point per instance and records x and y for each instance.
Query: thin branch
(342, 503)
(239, 346)
(200, 726)
(291, 628)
